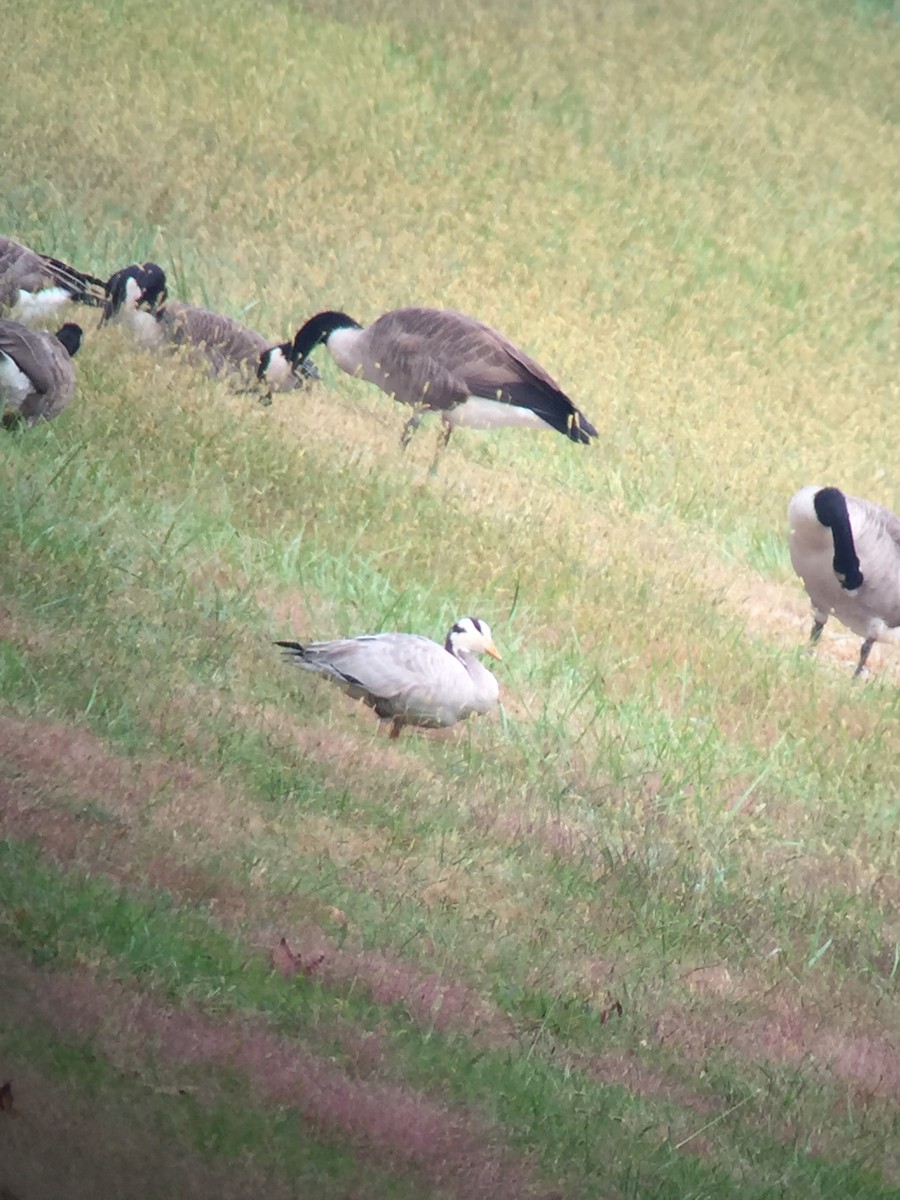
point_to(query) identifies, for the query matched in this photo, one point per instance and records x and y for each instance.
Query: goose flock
(846, 550)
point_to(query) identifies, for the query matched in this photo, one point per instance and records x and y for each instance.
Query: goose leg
(410, 427)
(441, 446)
(815, 634)
(396, 726)
(863, 655)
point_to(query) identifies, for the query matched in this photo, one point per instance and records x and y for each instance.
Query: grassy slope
(690, 216)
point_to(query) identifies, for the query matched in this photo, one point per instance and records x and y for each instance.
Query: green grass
(689, 215)
(188, 961)
(150, 1113)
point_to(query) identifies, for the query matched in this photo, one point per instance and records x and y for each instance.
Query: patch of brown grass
(65, 1142)
(394, 1126)
(51, 765)
(839, 1034)
(781, 613)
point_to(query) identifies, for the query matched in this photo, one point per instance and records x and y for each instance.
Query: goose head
(71, 336)
(471, 636)
(277, 367)
(139, 286)
(318, 329)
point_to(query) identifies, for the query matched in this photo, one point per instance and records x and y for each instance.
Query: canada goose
(409, 679)
(134, 295)
(37, 379)
(847, 552)
(33, 287)
(230, 348)
(437, 360)
(137, 296)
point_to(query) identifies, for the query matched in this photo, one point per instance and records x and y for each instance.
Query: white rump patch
(33, 308)
(477, 413)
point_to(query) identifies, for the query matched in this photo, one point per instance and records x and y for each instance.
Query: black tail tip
(581, 430)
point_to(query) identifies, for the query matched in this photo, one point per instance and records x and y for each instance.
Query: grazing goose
(442, 361)
(37, 379)
(229, 348)
(134, 295)
(409, 679)
(847, 552)
(33, 287)
(137, 296)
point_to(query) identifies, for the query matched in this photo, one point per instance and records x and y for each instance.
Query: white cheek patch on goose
(478, 413)
(278, 369)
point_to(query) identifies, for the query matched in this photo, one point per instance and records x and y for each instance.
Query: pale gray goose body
(847, 552)
(408, 679)
(37, 378)
(34, 287)
(447, 362)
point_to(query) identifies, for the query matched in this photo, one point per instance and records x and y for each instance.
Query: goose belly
(863, 611)
(866, 619)
(477, 413)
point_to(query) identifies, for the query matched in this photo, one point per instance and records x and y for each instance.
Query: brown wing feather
(44, 359)
(890, 523)
(439, 357)
(225, 343)
(455, 355)
(408, 360)
(27, 348)
(25, 269)
(19, 268)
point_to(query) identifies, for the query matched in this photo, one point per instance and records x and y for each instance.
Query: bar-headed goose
(34, 287)
(137, 297)
(409, 679)
(437, 360)
(37, 379)
(847, 552)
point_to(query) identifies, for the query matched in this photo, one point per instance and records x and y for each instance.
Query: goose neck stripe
(830, 506)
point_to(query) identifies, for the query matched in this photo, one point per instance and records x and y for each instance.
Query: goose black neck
(318, 329)
(830, 504)
(70, 335)
(115, 291)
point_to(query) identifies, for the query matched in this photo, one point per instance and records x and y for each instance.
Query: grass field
(637, 934)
